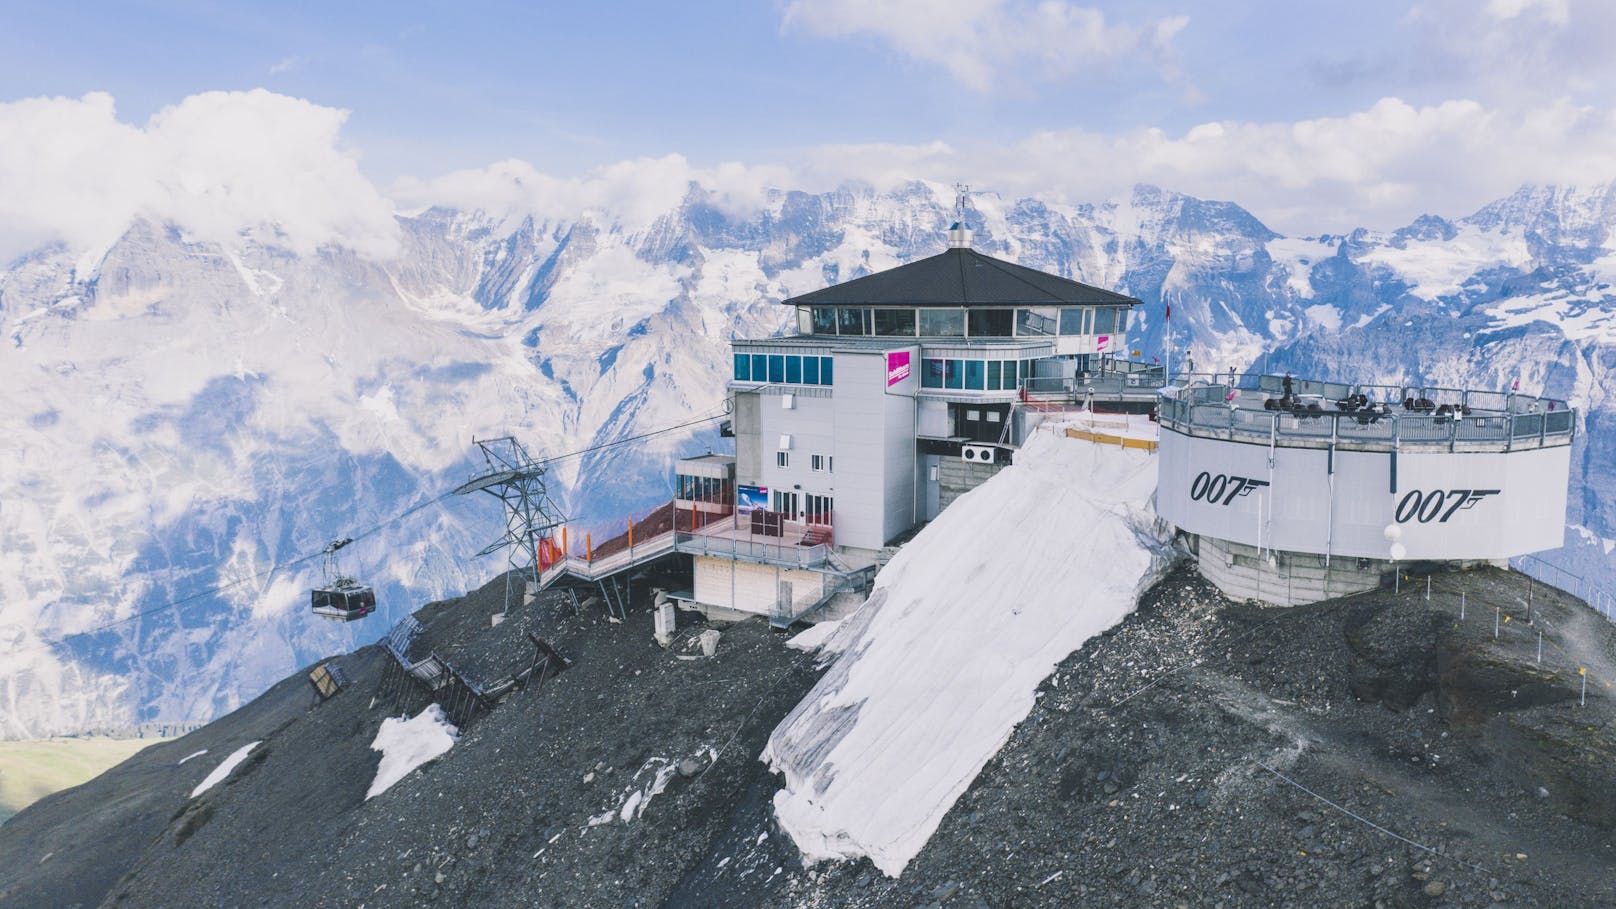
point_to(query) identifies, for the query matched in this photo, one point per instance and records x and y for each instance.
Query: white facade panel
(901, 488)
(1446, 505)
(933, 418)
(751, 587)
(809, 426)
(860, 444)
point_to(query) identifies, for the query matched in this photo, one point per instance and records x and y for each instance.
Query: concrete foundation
(1283, 578)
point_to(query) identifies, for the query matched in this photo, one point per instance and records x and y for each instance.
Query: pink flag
(1516, 386)
(1101, 342)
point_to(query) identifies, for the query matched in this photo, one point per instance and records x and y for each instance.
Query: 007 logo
(1439, 504)
(1222, 489)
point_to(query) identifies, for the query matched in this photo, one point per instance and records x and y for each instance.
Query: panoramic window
(794, 370)
(895, 322)
(942, 323)
(992, 323)
(824, 320)
(1074, 320)
(1105, 321)
(810, 370)
(743, 368)
(853, 321)
(1041, 321)
(931, 374)
(777, 368)
(954, 374)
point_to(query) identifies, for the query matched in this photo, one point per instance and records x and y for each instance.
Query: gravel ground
(1164, 765)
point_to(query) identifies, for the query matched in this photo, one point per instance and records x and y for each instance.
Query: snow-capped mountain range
(180, 414)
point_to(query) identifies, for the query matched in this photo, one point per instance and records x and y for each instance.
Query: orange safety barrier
(1107, 439)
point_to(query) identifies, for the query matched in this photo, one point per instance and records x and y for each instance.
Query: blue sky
(1022, 93)
(436, 86)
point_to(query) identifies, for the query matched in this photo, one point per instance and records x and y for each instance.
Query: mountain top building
(900, 391)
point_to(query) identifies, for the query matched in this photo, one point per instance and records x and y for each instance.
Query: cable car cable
(229, 585)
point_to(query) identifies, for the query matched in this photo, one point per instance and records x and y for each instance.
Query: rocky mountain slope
(180, 415)
(1371, 750)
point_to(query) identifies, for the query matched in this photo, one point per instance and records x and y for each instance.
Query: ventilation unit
(978, 454)
(788, 402)
(785, 441)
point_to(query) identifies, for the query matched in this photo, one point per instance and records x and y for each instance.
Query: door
(786, 503)
(932, 465)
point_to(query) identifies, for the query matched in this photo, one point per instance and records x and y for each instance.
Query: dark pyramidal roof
(959, 277)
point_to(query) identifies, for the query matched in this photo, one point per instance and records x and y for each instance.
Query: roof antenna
(959, 235)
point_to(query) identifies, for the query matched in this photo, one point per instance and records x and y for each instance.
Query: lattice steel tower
(517, 480)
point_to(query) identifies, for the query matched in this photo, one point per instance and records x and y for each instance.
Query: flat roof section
(961, 278)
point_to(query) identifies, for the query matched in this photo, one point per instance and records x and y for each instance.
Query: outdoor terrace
(1361, 416)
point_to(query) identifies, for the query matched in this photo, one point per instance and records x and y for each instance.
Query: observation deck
(1364, 417)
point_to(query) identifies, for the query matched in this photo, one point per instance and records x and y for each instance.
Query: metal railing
(786, 555)
(1545, 572)
(1506, 421)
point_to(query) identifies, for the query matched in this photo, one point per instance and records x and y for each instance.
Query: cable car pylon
(517, 480)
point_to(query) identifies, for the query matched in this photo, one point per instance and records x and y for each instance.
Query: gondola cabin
(343, 601)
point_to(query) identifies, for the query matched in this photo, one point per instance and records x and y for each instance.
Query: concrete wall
(755, 586)
(956, 477)
(1292, 579)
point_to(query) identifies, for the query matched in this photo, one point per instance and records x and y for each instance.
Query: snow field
(928, 680)
(407, 744)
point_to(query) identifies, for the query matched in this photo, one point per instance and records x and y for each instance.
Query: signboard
(897, 367)
(751, 498)
(1446, 505)
(1101, 343)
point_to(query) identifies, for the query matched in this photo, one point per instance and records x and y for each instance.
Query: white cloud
(630, 194)
(1557, 12)
(985, 43)
(218, 164)
(214, 165)
(283, 65)
(1378, 167)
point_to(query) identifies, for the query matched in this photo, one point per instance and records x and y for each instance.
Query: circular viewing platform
(1312, 414)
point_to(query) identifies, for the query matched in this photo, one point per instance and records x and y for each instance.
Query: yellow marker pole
(589, 547)
(631, 533)
(1583, 671)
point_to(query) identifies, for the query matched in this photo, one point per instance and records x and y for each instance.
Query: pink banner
(897, 367)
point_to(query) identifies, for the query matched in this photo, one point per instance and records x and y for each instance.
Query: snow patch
(647, 783)
(1298, 255)
(224, 768)
(193, 754)
(1324, 316)
(932, 674)
(407, 744)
